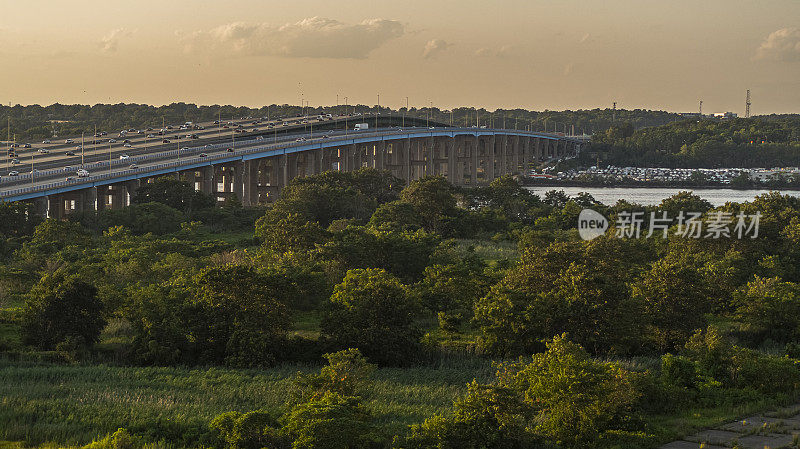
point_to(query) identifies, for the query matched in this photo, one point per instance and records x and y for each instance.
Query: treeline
(379, 262)
(771, 141)
(35, 122)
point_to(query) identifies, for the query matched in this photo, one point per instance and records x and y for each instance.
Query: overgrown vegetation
(358, 312)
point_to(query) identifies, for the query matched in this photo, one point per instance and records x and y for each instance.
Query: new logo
(591, 224)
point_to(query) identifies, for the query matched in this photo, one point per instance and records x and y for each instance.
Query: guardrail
(339, 136)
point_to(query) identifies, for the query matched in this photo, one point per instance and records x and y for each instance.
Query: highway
(58, 172)
(97, 149)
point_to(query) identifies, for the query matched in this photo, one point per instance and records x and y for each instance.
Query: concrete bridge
(259, 166)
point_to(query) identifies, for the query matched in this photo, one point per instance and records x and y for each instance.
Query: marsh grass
(73, 404)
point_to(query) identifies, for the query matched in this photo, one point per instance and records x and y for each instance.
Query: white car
(132, 166)
(112, 140)
(13, 173)
(42, 150)
(122, 157)
(127, 145)
(82, 173)
(45, 141)
(69, 141)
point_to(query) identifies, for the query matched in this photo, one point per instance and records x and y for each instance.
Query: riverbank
(528, 182)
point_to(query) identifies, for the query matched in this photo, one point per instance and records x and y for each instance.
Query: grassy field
(76, 404)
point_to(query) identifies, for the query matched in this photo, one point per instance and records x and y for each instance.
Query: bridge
(255, 168)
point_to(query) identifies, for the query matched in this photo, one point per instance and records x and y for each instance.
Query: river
(649, 196)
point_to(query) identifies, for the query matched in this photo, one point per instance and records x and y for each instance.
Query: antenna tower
(747, 105)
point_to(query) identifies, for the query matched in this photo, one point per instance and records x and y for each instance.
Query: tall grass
(76, 404)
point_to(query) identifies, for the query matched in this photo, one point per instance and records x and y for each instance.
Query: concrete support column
(430, 166)
(284, 178)
(452, 160)
(515, 155)
(380, 155)
(407, 159)
(490, 158)
(474, 164)
(238, 180)
(41, 205)
(130, 190)
(55, 208)
(503, 169)
(208, 186)
(90, 200)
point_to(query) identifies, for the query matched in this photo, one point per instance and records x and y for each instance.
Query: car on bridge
(132, 166)
(229, 150)
(112, 140)
(69, 141)
(70, 153)
(46, 141)
(82, 173)
(27, 145)
(122, 157)
(203, 155)
(42, 150)
(127, 145)
(14, 161)
(13, 173)
(165, 141)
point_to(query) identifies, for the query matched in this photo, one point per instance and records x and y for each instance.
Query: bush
(486, 417)
(332, 421)
(121, 439)
(59, 310)
(575, 398)
(371, 310)
(771, 309)
(251, 430)
(346, 373)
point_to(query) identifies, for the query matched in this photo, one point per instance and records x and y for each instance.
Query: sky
(532, 54)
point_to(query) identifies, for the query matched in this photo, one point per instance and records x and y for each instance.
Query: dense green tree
(62, 310)
(579, 288)
(372, 311)
(433, 198)
(229, 314)
(290, 232)
(332, 421)
(576, 398)
(175, 193)
(771, 309)
(676, 296)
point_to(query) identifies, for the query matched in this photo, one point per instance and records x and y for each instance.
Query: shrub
(486, 417)
(60, 309)
(575, 398)
(331, 421)
(371, 310)
(251, 430)
(347, 371)
(121, 439)
(771, 308)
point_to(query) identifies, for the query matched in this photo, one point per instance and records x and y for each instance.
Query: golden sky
(534, 54)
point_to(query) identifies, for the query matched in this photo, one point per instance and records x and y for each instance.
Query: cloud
(110, 41)
(485, 52)
(313, 37)
(781, 45)
(434, 48)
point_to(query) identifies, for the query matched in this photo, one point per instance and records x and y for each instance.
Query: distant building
(725, 115)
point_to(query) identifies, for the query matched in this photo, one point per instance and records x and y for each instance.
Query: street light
(404, 113)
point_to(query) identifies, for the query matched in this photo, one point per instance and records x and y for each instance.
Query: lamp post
(404, 113)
